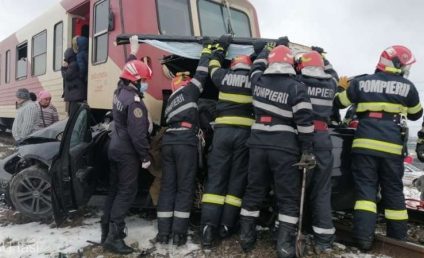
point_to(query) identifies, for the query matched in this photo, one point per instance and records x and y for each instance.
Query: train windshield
(214, 20)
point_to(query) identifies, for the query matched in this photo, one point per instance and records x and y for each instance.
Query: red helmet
(281, 54)
(136, 70)
(395, 59)
(310, 59)
(311, 64)
(180, 80)
(241, 61)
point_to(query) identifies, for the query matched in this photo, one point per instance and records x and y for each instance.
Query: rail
(382, 244)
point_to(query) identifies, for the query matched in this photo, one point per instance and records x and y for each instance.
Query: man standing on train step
(384, 101)
(282, 133)
(321, 90)
(229, 157)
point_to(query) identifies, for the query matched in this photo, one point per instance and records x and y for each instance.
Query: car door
(72, 169)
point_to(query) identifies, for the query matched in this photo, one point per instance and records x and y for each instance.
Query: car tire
(30, 193)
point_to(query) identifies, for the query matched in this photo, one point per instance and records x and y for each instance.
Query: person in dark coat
(80, 46)
(384, 101)
(74, 89)
(179, 153)
(128, 149)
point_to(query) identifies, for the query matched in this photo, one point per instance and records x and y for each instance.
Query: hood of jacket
(69, 55)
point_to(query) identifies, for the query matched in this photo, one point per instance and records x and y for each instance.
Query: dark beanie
(22, 93)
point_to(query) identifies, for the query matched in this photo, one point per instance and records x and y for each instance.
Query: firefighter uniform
(229, 156)
(128, 148)
(282, 130)
(180, 157)
(321, 92)
(381, 99)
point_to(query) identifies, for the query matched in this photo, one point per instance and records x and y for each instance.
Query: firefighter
(229, 156)
(128, 152)
(283, 130)
(321, 90)
(179, 153)
(384, 100)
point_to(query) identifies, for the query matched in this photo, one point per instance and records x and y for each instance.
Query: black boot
(104, 226)
(208, 236)
(162, 238)
(364, 244)
(179, 239)
(247, 233)
(286, 242)
(225, 231)
(115, 240)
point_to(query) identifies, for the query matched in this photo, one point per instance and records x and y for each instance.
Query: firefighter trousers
(318, 189)
(124, 170)
(179, 167)
(270, 165)
(227, 175)
(370, 173)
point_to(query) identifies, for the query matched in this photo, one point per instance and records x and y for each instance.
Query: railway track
(382, 245)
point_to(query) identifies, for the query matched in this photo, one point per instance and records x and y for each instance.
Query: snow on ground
(41, 240)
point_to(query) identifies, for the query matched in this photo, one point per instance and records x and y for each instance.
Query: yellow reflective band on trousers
(213, 198)
(377, 146)
(238, 98)
(343, 98)
(381, 106)
(415, 109)
(233, 200)
(366, 206)
(234, 120)
(396, 214)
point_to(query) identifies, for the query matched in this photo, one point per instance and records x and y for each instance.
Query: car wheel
(30, 193)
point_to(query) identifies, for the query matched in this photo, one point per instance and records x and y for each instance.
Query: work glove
(224, 42)
(270, 45)
(283, 41)
(307, 160)
(318, 49)
(208, 45)
(134, 44)
(343, 82)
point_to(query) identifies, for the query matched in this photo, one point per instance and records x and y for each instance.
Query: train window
(39, 53)
(58, 46)
(100, 37)
(214, 20)
(21, 61)
(174, 17)
(7, 67)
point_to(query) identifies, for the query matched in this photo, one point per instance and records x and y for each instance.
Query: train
(32, 56)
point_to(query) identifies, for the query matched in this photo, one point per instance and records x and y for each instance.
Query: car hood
(47, 134)
(44, 152)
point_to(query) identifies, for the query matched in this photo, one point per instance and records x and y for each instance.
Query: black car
(56, 170)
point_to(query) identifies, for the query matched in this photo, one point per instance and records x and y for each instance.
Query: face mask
(143, 87)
